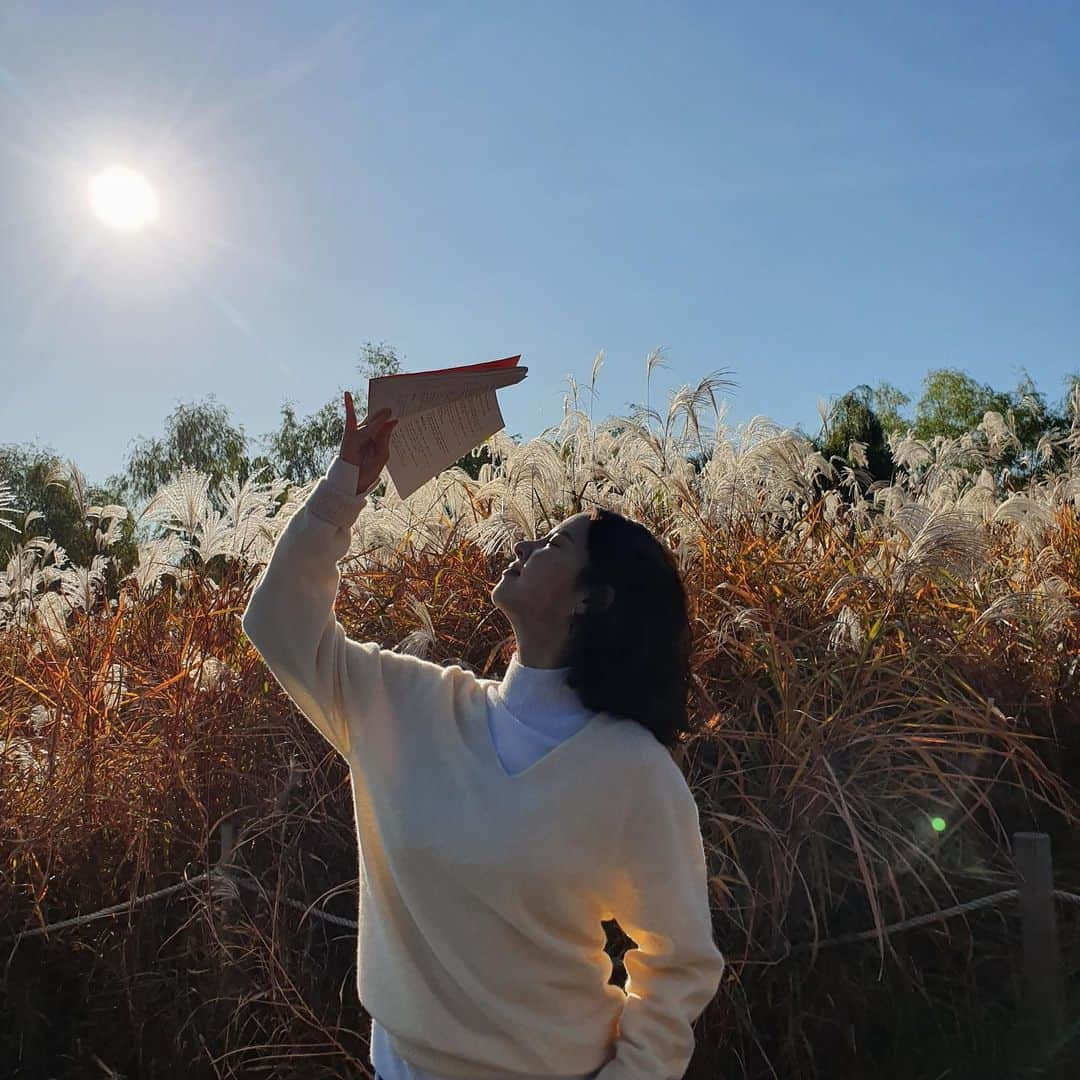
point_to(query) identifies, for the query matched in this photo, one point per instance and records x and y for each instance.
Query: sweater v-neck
(493, 754)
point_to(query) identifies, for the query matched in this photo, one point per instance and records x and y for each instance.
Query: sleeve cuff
(343, 475)
(334, 499)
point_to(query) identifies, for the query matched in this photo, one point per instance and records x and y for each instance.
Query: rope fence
(326, 916)
(217, 876)
(226, 878)
(116, 909)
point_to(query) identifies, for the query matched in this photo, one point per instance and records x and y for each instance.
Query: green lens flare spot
(937, 824)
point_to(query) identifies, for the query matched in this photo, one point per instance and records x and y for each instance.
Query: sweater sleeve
(337, 683)
(344, 476)
(661, 900)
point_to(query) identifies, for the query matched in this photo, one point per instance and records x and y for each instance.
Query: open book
(443, 415)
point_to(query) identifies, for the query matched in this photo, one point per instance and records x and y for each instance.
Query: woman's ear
(600, 598)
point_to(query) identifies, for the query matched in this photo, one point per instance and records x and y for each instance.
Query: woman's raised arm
(290, 617)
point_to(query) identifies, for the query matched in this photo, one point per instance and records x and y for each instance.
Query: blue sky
(812, 195)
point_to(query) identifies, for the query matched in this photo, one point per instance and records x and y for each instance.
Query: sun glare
(123, 199)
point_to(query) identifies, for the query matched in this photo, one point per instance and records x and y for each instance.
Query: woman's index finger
(350, 415)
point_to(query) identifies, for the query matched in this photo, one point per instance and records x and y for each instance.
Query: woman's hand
(368, 444)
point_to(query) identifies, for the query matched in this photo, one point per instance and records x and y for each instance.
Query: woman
(500, 821)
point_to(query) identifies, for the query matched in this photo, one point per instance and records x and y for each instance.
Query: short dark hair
(632, 658)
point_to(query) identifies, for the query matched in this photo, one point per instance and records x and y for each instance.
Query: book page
(425, 445)
(441, 416)
(409, 395)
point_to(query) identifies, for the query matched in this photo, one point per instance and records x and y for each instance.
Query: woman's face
(537, 590)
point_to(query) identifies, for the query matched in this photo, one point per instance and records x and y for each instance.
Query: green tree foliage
(197, 436)
(953, 403)
(1042, 431)
(853, 419)
(887, 401)
(46, 499)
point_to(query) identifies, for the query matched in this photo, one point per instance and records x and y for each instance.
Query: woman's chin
(501, 588)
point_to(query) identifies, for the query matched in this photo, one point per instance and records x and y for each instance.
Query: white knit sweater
(487, 864)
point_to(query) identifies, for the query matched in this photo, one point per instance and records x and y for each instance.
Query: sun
(123, 199)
